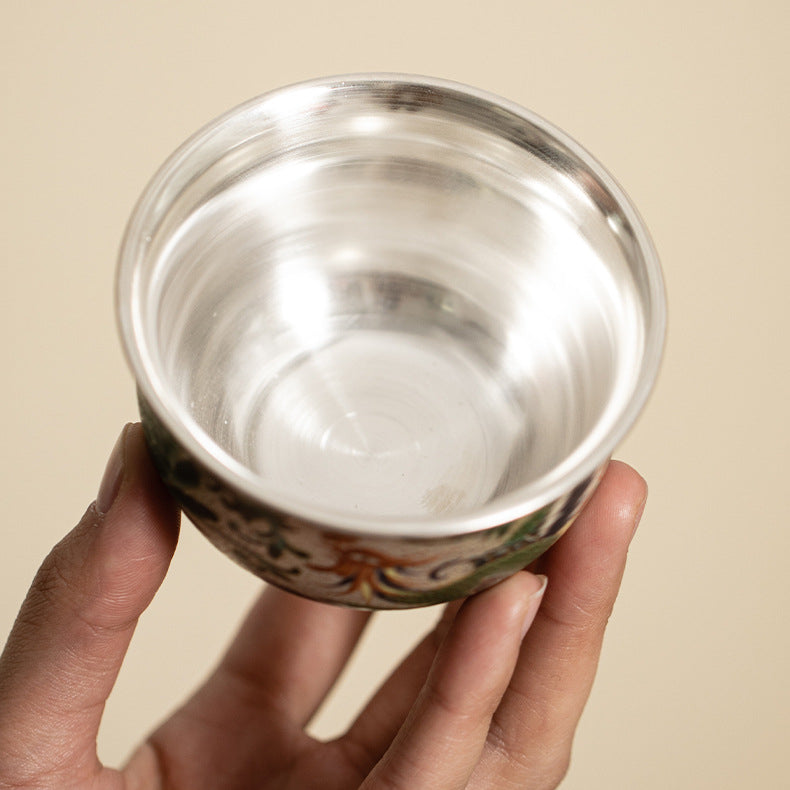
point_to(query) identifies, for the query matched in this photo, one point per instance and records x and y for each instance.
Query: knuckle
(53, 577)
(69, 589)
(459, 708)
(581, 622)
(52, 588)
(61, 574)
(533, 766)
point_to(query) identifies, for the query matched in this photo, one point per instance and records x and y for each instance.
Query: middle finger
(284, 660)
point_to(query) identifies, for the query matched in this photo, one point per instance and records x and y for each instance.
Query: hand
(473, 706)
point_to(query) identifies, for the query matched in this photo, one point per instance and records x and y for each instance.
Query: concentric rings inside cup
(391, 305)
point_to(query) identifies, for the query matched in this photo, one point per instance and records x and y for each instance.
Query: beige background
(685, 102)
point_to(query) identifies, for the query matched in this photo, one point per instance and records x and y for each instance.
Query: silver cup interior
(377, 300)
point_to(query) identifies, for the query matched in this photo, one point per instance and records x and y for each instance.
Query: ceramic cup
(386, 332)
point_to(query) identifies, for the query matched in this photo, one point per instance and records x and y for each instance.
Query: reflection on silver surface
(396, 302)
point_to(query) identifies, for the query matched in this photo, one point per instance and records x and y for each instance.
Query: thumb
(66, 647)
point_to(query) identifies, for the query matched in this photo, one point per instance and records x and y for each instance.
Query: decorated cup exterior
(363, 571)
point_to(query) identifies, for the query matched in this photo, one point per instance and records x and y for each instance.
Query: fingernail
(533, 604)
(112, 477)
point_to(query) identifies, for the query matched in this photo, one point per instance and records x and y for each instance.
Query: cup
(386, 333)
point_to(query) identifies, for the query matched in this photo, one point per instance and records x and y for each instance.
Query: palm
(285, 760)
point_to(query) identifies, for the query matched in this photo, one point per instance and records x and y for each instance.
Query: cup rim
(583, 463)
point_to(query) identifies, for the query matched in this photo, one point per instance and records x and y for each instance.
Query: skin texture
(489, 699)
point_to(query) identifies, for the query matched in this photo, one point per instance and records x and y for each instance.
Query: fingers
(247, 720)
(444, 734)
(530, 739)
(377, 725)
(66, 648)
(283, 662)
